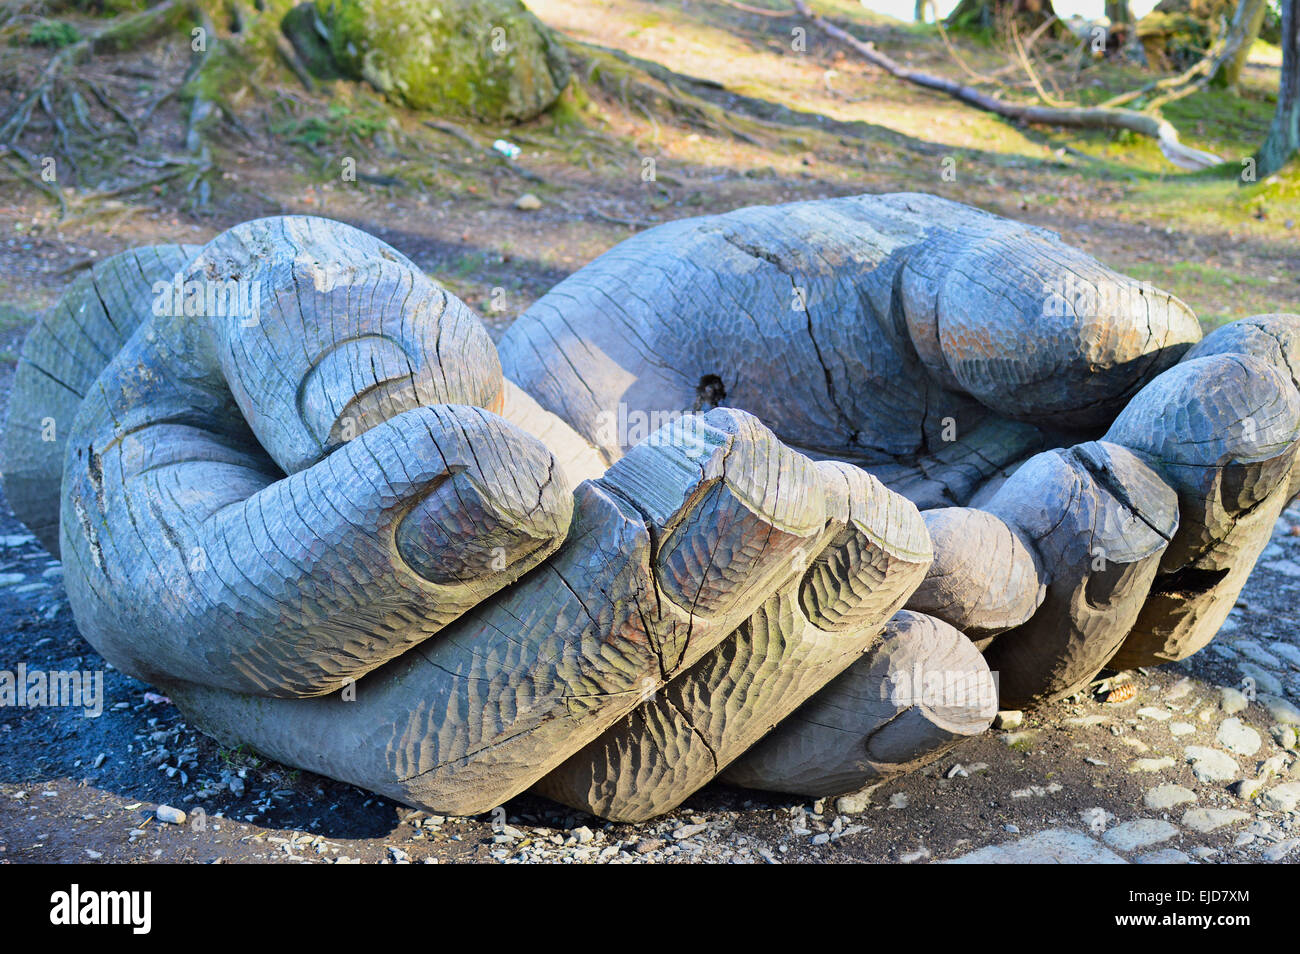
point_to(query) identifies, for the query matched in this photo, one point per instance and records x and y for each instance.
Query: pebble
(1247, 788)
(1206, 820)
(1177, 729)
(1054, 846)
(1167, 796)
(11, 579)
(1008, 719)
(957, 771)
(1152, 765)
(1237, 737)
(1265, 681)
(1284, 735)
(1179, 689)
(646, 845)
(1287, 651)
(528, 202)
(1283, 798)
(687, 831)
(1211, 765)
(169, 815)
(914, 856)
(898, 800)
(1018, 738)
(1232, 700)
(1150, 712)
(1280, 710)
(584, 834)
(1281, 849)
(854, 804)
(1165, 856)
(1257, 653)
(1139, 833)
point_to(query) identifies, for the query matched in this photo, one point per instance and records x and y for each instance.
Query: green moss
(484, 59)
(52, 33)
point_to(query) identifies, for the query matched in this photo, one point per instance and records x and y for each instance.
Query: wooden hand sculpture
(299, 492)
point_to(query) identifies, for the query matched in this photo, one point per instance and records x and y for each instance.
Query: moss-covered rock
(486, 59)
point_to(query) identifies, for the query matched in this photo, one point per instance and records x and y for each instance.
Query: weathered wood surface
(1098, 519)
(1222, 430)
(832, 605)
(188, 553)
(670, 551)
(922, 689)
(334, 487)
(986, 577)
(823, 318)
(63, 354)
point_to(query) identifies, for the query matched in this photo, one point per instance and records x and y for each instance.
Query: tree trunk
(979, 15)
(1284, 137)
(1242, 34)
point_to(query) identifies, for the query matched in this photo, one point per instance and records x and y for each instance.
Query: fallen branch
(1078, 117)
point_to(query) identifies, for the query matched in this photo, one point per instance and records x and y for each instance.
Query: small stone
(1139, 833)
(957, 771)
(1011, 829)
(11, 579)
(1265, 681)
(647, 845)
(1287, 651)
(584, 834)
(854, 804)
(898, 800)
(1150, 712)
(1008, 719)
(1211, 765)
(1280, 710)
(1281, 849)
(1177, 729)
(1237, 737)
(914, 856)
(1165, 856)
(1206, 820)
(52, 573)
(1232, 700)
(169, 815)
(1054, 846)
(1257, 653)
(688, 831)
(1179, 689)
(1164, 797)
(1283, 798)
(821, 839)
(1284, 735)
(1152, 765)
(1205, 852)
(528, 202)
(399, 856)
(1246, 788)
(1018, 739)
(236, 786)
(1088, 720)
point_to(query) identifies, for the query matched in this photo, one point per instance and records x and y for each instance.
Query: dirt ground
(799, 126)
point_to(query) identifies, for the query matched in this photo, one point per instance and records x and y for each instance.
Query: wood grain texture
(669, 552)
(65, 351)
(923, 688)
(1099, 519)
(848, 303)
(190, 555)
(1222, 430)
(986, 577)
(836, 599)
